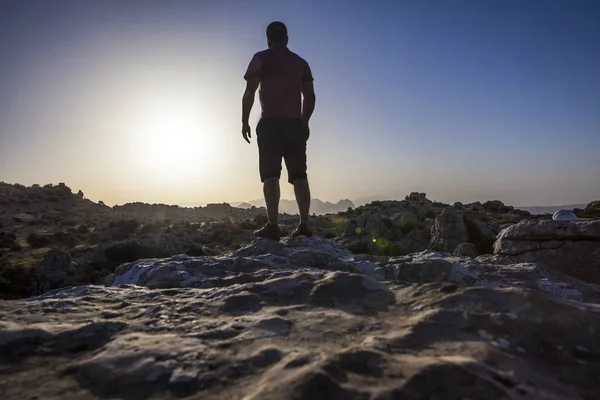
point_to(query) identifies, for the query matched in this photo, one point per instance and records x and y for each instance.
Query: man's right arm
(308, 104)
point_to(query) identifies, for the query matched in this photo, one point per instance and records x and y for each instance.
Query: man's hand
(246, 132)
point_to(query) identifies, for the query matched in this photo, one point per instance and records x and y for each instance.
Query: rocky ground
(306, 319)
(408, 299)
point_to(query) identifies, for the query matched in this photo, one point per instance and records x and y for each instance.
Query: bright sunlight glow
(173, 141)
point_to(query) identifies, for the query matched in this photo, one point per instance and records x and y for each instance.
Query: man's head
(277, 34)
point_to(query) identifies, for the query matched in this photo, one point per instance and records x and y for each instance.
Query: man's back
(281, 74)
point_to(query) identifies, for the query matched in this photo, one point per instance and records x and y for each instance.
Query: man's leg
(295, 160)
(270, 152)
(302, 192)
(272, 194)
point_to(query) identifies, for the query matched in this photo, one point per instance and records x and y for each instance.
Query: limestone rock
(56, 270)
(466, 250)
(571, 247)
(312, 321)
(449, 230)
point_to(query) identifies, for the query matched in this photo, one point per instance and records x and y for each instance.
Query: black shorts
(282, 138)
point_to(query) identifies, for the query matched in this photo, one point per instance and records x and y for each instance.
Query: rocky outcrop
(572, 247)
(305, 319)
(57, 270)
(449, 230)
(416, 223)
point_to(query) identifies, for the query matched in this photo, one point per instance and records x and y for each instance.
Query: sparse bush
(131, 251)
(124, 228)
(260, 220)
(36, 241)
(359, 248)
(94, 272)
(397, 249)
(196, 251)
(329, 235)
(94, 238)
(16, 247)
(406, 226)
(150, 228)
(67, 238)
(7, 242)
(248, 225)
(339, 224)
(16, 278)
(224, 232)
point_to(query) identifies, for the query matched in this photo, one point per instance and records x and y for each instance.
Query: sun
(175, 145)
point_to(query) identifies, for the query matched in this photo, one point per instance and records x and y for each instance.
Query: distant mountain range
(317, 206)
(325, 207)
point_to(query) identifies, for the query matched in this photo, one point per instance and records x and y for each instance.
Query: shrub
(124, 228)
(67, 238)
(150, 228)
(82, 229)
(94, 272)
(248, 225)
(36, 241)
(260, 220)
(94, 238)
(359, 248)
(195, 251)
(6, 242)
(406, 226)
(16, 247)
(131, 251)
(397, 249)
(16, 278)
(329, 235)
(339, 224)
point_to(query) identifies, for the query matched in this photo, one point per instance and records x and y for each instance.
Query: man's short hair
(277, 31)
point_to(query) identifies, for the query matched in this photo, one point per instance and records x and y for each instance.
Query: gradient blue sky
(465, 100)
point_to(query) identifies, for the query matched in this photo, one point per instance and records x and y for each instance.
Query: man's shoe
(269, 231)
(301, 230)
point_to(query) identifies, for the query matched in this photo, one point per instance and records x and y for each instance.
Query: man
(283, 129)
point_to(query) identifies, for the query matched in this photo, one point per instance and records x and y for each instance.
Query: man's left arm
(252, 77)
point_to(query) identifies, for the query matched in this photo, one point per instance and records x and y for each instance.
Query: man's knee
(298, 178)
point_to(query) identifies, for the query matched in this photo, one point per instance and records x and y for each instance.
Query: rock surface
(449, 230)
(305, 319)
(572, 247)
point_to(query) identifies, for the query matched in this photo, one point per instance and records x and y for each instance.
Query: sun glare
(175, 145)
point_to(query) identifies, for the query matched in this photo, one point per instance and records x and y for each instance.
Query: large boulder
(56, 270)
(449, 230)
(572, 247)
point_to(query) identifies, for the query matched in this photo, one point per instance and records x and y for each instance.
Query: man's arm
(252, 77)
(308, 104)
(248, 98)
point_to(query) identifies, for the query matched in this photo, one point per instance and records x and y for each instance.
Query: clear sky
(465, 100)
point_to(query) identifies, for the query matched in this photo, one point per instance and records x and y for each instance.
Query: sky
(465, 100)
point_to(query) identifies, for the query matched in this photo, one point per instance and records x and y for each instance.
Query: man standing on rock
(282, 131)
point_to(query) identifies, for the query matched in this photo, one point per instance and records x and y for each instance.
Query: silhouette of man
(282, 132)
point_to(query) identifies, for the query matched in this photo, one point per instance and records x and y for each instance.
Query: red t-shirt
(281, 74)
